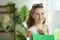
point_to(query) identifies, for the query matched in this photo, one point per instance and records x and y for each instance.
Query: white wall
(19, 3)
(56, 19)
(3, 2)
(53, 4)
(28, 3)
(53, 20)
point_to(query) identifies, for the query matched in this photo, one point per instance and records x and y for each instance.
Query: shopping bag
(41, 37)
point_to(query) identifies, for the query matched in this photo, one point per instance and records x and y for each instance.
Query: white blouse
(34, 30)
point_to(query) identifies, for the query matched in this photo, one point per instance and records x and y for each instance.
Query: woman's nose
(39, 16)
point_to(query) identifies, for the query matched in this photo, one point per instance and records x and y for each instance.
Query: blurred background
(20, 14)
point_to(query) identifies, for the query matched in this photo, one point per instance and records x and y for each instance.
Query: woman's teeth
(40, 19)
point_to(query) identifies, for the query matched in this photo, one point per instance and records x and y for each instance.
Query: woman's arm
(47, 31)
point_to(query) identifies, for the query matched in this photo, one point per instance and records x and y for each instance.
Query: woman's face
(38, 15)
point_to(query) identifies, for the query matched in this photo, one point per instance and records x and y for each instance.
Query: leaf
(1, 25)
(20, 36)
(20, 17)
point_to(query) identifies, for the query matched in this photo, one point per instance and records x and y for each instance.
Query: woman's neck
(41, 25)
(36, 23)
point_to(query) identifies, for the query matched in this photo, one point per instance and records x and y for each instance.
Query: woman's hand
(43, 19)
(40, 31)
(29, 34)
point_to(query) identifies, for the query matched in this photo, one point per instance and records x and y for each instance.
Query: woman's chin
(39, 22)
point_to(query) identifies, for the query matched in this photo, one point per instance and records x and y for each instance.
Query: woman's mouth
(40, 19)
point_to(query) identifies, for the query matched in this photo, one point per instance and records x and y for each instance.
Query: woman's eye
(42, 13)
(37, 13)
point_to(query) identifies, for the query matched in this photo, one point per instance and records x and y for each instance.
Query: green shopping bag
(42, 37)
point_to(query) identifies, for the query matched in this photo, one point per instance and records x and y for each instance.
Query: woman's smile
(40, 19)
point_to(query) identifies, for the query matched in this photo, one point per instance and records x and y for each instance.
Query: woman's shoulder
(46, 26)
(32, 28)
(29, 32)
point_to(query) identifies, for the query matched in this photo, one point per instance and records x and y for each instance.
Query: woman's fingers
(40, 31)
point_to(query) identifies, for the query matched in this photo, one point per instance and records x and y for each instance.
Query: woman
(36, 21)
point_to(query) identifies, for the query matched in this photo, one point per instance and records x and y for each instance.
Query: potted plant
(1, 25)
(19, 18)
(11, 7)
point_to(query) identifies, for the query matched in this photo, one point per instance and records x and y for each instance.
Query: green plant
(1, 25)
(20, 36)
(23, 13)
(19, 18)
(11, 7)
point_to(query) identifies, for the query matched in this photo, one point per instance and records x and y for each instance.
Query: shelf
(3, 6)
(3, 31)
(3, 12)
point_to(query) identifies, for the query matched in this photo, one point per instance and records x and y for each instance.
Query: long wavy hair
(30, 20)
